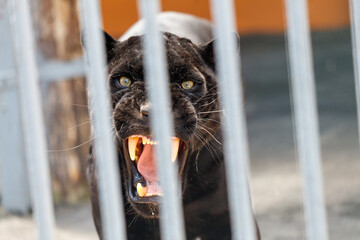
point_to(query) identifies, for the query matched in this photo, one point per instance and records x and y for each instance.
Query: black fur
(197, 122)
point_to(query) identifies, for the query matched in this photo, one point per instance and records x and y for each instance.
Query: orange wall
(253, 16)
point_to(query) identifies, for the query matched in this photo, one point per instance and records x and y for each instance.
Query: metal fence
(237, 157)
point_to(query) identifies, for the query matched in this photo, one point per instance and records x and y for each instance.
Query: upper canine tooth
(174, 148)
(132, 142)
(143, 141)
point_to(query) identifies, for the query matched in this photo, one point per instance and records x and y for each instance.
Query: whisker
(78, 81)
(73, 104)
(215, 111)
(79, 125)
(203, 141)
(207, 104)
(208, 147)
(213, 120)
(205, 96)
(210, 134)
(215, 145)
(72, 148)
(209, 93)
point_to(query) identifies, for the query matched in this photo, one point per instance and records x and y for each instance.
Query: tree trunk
(65, 102)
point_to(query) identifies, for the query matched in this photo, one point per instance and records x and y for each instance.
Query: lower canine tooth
(141, 190)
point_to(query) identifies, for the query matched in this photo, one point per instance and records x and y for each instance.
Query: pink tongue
(147, 168)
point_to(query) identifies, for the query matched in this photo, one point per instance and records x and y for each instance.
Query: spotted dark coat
(196, 117)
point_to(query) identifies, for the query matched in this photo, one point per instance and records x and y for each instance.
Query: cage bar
(32, 117)
(54, 71)
(5, 75)
(111, 201)
(15, 192)
(171, 221)
(236, 152)
(355, 32)
(306, 118)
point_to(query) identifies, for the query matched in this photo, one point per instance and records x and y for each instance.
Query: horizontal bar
(171, 220)
(306, 118)
(111, 202)
(53, 71)
(5, 75)
(231, 92)
(355, 32)
(32, 117)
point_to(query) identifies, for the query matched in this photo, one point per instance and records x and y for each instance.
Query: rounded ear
(207, 50)
(207, 53)
(110, 44)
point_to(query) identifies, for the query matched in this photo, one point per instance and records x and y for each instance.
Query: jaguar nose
(145, 110)
(144, 113)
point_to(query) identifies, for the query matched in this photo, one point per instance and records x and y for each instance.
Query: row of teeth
(148, 141)
(134, 151)
(142, 191)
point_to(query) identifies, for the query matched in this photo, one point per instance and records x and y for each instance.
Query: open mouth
(144, 182)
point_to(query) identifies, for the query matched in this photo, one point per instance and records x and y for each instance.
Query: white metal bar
(355, 31)
(236, 152)
(171, 221)
(14, 181)
(111, 202)
(33, 123)
(52, 71)
(15, 190)
(6, 74)
(306, 118)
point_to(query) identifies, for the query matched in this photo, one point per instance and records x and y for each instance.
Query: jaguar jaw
(144, 183)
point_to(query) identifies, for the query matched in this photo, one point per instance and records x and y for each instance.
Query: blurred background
(275, 177)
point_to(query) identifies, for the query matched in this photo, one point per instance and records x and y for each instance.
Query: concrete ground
(275, 174)
(276, 183)
(72, 223)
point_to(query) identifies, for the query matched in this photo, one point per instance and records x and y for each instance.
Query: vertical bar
(111, 201)
(15, 190)
(306, 119)
(355, 32)
(32, 117)
(171, 221)
(236, 152)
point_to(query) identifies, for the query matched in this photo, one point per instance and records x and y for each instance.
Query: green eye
(187, 84)
(125, 81)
